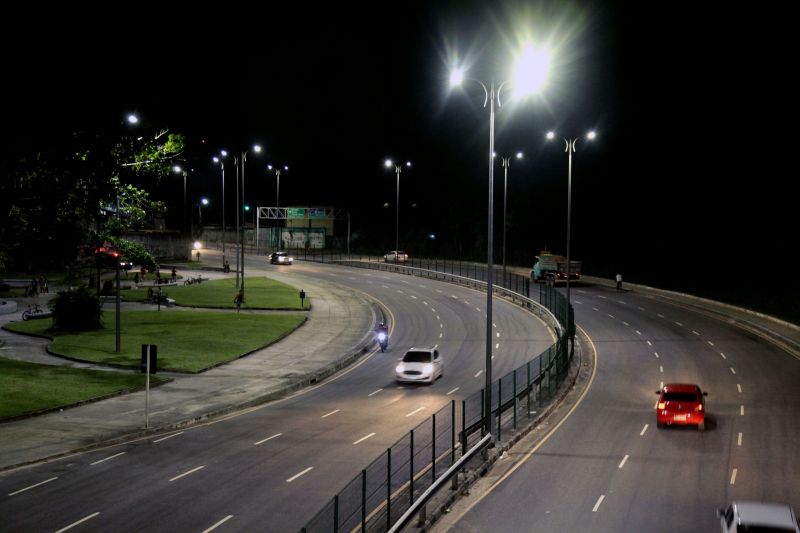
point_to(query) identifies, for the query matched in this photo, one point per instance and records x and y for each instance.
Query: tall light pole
(397, 168)
(200, 204)
(570, 149)
(530, 75)
(506, 164)
(177, 169)
(239, 207)
(219, 160)
(278, 171)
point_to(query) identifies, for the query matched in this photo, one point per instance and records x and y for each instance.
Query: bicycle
(192, 281)
(34, 311)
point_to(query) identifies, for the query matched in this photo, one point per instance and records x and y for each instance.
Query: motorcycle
(383, 340)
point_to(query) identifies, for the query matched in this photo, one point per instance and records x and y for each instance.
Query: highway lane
(608, 468)
(273, 467)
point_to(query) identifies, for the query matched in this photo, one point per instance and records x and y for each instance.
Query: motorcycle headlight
(381, 336)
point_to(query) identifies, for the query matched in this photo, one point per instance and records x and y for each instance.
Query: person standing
(619, 282)
(239, 300)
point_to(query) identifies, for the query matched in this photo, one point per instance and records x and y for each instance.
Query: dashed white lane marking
(603, 297)
(679, 324)
(441, 326)
(625, 323)
(599, 501)
(621, 302)
(215, 526)
(169, 436)
(733, 477)
(644, 429)
(106, 459)
(739, 387)
(641, 308)
(739, 440)
(400, 291)
(440, 335)
(696, 333)
(595, 309)
(710, 343)
(656, 354)
(385, 286)
(479, 373)
(33, 486)
(437, 317)
(415, 411)
(661, 386)
(192, 471)
(723, 355)
(362, 439)
(81, 521)
(452, 391)
(494, 325)
(622, 463)
(413, 297)
(466, 302)
(733, 371)
(741, 410)
(659, 315)
(637, 332)
(424, 302)
(478, 309)
(498, 334)
(331, 413)
(439, 291)
(496, 346)
(275, 436)
(649, 343)
(373, 393)
(661, 369)
(306, 471)
(610, 316)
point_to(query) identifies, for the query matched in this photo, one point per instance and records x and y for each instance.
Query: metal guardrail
(401, 480)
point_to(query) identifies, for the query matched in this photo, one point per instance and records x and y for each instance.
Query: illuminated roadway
(608, 468)
(272, 468)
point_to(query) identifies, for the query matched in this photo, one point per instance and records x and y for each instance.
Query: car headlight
(427, 369)
(400, 368)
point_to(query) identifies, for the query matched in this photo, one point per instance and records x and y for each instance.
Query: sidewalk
(337, 331)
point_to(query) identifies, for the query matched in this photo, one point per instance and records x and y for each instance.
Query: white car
(758, 517)
(280, 258)
(396, 256)
(420, 365)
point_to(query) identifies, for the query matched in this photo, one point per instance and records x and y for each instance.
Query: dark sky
(691, 173)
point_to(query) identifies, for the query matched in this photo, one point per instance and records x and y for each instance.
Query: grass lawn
(29, 387)
(188, 341)
(260, 293)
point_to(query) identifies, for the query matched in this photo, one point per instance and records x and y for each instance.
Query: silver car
(420, 365)
(763, 517)
(396, 256)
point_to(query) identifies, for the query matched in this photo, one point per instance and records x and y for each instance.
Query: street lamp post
(397, 168)
(219, 160)
(506, 164)
(278, 171)
(200, 204)
(177, 169)
(239, 207)
(570, 149)
(530, 75)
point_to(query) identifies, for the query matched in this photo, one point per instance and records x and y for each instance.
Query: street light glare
(388, 163)
(215, 159)
(591, 135)
(257, 148)
(133, 119)
(223, 153)
(204, 201)
(519, 155)
(551, 135)
(408, 164)
(456, 77)
(531, 71)
(176, 168)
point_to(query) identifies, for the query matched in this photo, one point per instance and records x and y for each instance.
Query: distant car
(396, 256)
(681, 404)
(758, 517)
(420, 365)
(125, 265)
(280, 258)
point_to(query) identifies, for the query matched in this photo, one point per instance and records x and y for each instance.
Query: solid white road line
(415, 411)
(82, 520)
(215, 526)
(362, 439)
(331, 413)
(733, 477)
(622, 463)
(268, 438)
(644, 429)
(33, 486)
(599, 501)
(739, 440)
(738, 387)
(106, 459)
(192, 471)
(306, 471)
(452, 391)
(373, 393)
(169, 436)
(479, 373)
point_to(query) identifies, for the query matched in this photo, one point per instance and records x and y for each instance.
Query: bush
(77, 310)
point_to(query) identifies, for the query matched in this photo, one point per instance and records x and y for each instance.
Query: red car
(681, 404)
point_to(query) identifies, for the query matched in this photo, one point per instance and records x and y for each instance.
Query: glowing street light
(178, 170)
(239, 206)
(570, 149)
(530, 77)
(506, 161)
(219, 160)
(398, 167)
(278, 171)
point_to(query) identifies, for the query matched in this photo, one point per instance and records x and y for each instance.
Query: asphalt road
(272, 468)
(608, 468)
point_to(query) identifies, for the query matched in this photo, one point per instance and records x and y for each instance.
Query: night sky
(689, 185)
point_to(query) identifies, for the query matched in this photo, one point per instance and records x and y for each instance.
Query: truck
(548, 266)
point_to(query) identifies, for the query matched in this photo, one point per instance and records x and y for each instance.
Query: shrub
(77, 310)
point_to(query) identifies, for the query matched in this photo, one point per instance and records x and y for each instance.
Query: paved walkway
(337, 331)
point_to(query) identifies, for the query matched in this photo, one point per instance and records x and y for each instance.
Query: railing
(400, 481)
